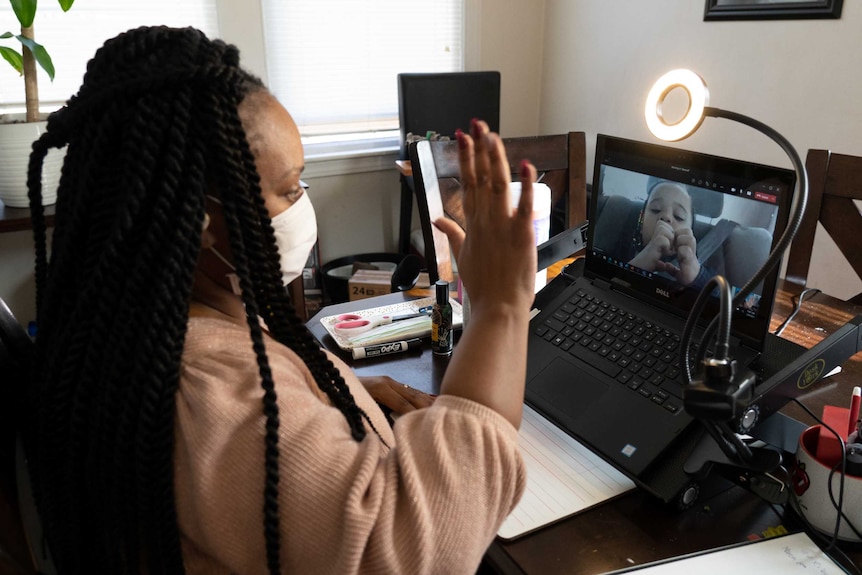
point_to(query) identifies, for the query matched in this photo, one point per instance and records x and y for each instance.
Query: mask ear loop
(232, 277)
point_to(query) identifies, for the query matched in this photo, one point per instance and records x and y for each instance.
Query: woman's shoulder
(215, 347)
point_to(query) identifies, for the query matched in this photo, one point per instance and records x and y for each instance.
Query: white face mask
(295, 234)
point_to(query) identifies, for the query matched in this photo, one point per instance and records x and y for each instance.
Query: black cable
(821, 539)
(797, 305)
(722, 321)
(836, 505)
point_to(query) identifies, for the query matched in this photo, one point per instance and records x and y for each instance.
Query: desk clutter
(418, 325)
(818, 482)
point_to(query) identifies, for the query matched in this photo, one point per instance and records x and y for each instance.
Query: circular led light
(698, 99)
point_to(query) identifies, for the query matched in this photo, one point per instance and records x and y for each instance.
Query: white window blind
(334, 63)
(73, 37)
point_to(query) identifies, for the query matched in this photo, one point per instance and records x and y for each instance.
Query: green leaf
(66, 4)
(13, 58)
(25, 10)
(7, 35)
(41, 55)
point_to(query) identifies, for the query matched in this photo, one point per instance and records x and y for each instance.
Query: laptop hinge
(602, 284)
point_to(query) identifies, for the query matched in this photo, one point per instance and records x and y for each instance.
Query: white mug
(810, 485)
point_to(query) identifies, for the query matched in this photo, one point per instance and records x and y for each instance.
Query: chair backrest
(443, 102)
(834, 181)
(561, 163)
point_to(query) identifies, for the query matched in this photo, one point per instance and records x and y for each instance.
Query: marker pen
(385, 348)
(855, 403)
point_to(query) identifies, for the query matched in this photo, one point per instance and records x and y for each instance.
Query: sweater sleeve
(427, 499)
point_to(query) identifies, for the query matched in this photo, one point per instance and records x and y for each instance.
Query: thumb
(453, 231)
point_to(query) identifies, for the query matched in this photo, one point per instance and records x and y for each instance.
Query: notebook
(563, 477)
(603, 356)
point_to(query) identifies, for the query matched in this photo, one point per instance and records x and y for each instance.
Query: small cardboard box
(369, 283)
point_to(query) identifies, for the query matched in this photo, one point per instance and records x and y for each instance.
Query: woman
(185, 419)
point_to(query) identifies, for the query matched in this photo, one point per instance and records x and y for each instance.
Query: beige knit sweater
(431, 502)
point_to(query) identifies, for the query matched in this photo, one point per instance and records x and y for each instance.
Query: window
(73, 37)
(334, 63)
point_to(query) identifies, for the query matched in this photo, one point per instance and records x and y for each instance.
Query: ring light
(698, 98)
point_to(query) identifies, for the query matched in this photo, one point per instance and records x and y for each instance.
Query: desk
(637, 528)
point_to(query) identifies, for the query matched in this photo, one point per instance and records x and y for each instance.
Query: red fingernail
(474, 129)
(459, 135)
(525, 169)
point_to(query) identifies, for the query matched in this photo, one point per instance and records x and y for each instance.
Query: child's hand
(661, 245)
(666, 243)
(686, 255)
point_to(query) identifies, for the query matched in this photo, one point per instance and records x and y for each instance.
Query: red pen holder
(811, 480)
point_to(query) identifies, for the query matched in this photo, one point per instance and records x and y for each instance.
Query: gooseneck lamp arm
(800, 199)
(698, 109)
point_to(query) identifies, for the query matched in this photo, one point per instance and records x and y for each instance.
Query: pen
(855, 400)
(385, 348)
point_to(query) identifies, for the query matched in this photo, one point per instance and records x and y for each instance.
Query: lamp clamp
(723, 392)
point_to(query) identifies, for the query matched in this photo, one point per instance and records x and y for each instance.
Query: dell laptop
(604, 354)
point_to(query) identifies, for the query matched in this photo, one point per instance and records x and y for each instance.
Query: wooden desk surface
(637, 528)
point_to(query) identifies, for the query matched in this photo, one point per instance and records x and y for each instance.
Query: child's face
(669, 203)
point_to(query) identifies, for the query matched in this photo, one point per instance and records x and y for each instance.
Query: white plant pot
(16, 141)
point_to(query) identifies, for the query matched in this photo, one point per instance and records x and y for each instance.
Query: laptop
(603, 356)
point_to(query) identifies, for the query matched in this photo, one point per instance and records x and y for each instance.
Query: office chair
(20, 527)
(834, 181)
(559, 159)
(440, 102)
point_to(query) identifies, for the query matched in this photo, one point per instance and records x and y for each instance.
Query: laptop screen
(664, 221)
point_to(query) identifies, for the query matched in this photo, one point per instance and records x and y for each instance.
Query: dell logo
(662, 292)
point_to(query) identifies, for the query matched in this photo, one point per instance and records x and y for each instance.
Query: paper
(563, 477)
(787, 555)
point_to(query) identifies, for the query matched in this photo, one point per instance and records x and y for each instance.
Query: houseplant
(17, 132)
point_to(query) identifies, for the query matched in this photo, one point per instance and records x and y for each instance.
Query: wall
(800, 77)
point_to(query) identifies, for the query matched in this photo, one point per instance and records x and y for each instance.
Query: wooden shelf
(18, 219)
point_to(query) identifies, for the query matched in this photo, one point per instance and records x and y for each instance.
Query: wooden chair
(834, 181)
(561, 163)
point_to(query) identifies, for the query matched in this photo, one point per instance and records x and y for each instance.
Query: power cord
(797, 305)
(837, 506)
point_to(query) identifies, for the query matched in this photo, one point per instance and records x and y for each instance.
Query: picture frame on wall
(771, 9)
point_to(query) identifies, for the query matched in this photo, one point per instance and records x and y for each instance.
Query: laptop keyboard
(635, 352)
